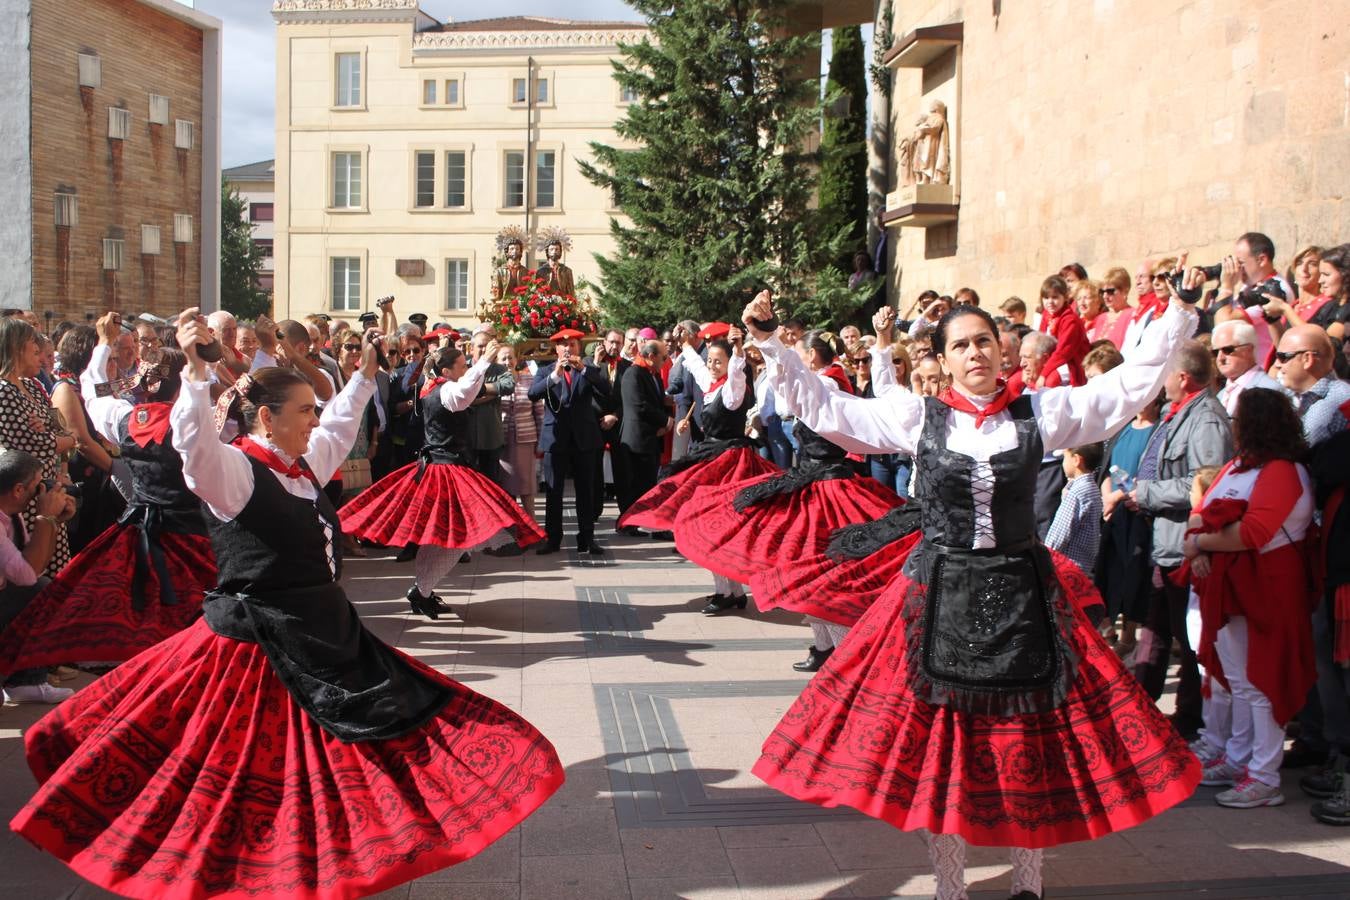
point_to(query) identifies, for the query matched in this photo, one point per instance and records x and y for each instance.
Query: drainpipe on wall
(530, 89)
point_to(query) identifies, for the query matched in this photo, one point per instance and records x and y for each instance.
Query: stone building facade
(122, 139)
(405, 144)
(1110, 131)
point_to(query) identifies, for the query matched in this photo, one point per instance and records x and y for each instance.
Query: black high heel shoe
(427, 606)
(814, 660)
(720, 603)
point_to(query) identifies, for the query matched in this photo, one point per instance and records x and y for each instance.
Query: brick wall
(121, 184)
(1106, 131)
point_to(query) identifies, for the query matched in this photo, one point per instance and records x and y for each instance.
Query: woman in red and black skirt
(974, 699)
(275, 748)
(143, 579)
(724, 456)
(740, 530)
(441, 503)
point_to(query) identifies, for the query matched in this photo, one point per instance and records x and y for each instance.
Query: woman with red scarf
(742, 530)
(441, 503)
(974, 699)
(1061, 321)
(1252, 578)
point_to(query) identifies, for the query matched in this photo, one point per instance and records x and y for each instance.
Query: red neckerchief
(1178, 407)
(272, 461)
(149, 423)
(1345, 409)
(430, 386)
(1147, 304)
(1050, 320)
(645, 363)
(836, 373)
(963, 403)
(716, 384)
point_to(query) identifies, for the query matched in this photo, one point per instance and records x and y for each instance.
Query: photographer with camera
(1248, 282)
(26, 551)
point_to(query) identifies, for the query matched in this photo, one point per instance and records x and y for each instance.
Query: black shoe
(546, 549)
(507, 550)
(466, 557)
(814, 660)
(591, 548)
(629, 531)
(1026, 895)
(407, 554)
(1300, 755)
(427, 606)
(662, 535)
(720, 603)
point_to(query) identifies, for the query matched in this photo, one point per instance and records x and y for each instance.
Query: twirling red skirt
(1103, 761)
(87, 613)
(656, 510)
(451, 506)
(190, 772)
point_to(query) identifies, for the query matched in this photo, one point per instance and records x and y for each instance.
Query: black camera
(1213, 272)
(1256, 295)
(51, 484)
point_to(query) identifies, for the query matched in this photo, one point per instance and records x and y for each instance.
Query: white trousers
(1257, 740)
(1217, 709)
(727, 587)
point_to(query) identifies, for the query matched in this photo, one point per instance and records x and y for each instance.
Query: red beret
(567, 334)
(714, 330)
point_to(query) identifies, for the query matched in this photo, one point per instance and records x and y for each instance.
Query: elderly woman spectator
(92, 465)
(27, 422)
(1115, 291)
(1087, 301)
(522, 418)
(246, 342)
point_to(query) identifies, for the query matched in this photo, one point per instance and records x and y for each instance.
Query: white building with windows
(255, 183)
(405, 144)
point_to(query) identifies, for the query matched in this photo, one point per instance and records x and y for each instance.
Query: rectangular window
(265, 245)
(159, 109)
(628, 94)
(348, 79)
(545, 179)
(514, 195)
(112, 254)
(346, 283)
(67, 210)
(428, 92)
(182, 134)
(518, 94)
(347, 180)
(426, 178)
(456, 187)
(182, 228)
(150, 240)
(91, 70)
(452, 92)
(260, 212)
(541, 90)
(119, 123)
(457, 281)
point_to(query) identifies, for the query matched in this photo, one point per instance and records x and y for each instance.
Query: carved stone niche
(927, 146)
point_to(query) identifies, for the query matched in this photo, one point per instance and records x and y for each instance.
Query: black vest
(943, 487)
(446, 433)
(157, 477)
(721, 424)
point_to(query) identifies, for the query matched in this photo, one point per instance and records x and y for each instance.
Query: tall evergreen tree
(843, 145)
(240, 259)
(713, 176)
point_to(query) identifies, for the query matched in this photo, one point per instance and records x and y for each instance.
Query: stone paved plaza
(658, 714)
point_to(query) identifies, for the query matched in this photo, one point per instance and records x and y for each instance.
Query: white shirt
(105, 412)
(732, 390)
(459, 395)
(1229, 393)
(893, 421)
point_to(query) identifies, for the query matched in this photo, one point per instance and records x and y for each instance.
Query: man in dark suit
(571, 440)
(685, 390)
(609, 359)
(645, 422)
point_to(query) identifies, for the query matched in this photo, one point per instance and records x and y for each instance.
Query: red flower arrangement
(531, 312)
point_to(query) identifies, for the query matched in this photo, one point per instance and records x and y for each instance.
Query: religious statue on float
(511, 272)
(555, 242)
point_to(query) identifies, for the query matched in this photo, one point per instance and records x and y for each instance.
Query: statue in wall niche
(926, 155)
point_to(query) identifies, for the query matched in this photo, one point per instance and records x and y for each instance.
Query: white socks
(948, 853)
(726, 587)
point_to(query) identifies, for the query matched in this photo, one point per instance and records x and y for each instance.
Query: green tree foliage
(843, 145)
(711, 172)
(240, 259)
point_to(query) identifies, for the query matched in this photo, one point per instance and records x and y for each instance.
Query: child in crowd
(1077, 526)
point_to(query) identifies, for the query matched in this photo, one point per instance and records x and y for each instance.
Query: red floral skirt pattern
(190, 772)
(1104, 761)
(710, 532)
(86, 612)
(656, 510)
(838, 592)
(452, 506)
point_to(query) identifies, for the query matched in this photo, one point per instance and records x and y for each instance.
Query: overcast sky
(250, 66)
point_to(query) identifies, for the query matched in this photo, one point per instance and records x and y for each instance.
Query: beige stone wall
(1106, 131)
(391, 125)
(121, 184)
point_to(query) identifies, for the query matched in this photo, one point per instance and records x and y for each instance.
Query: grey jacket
(1199, 435)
